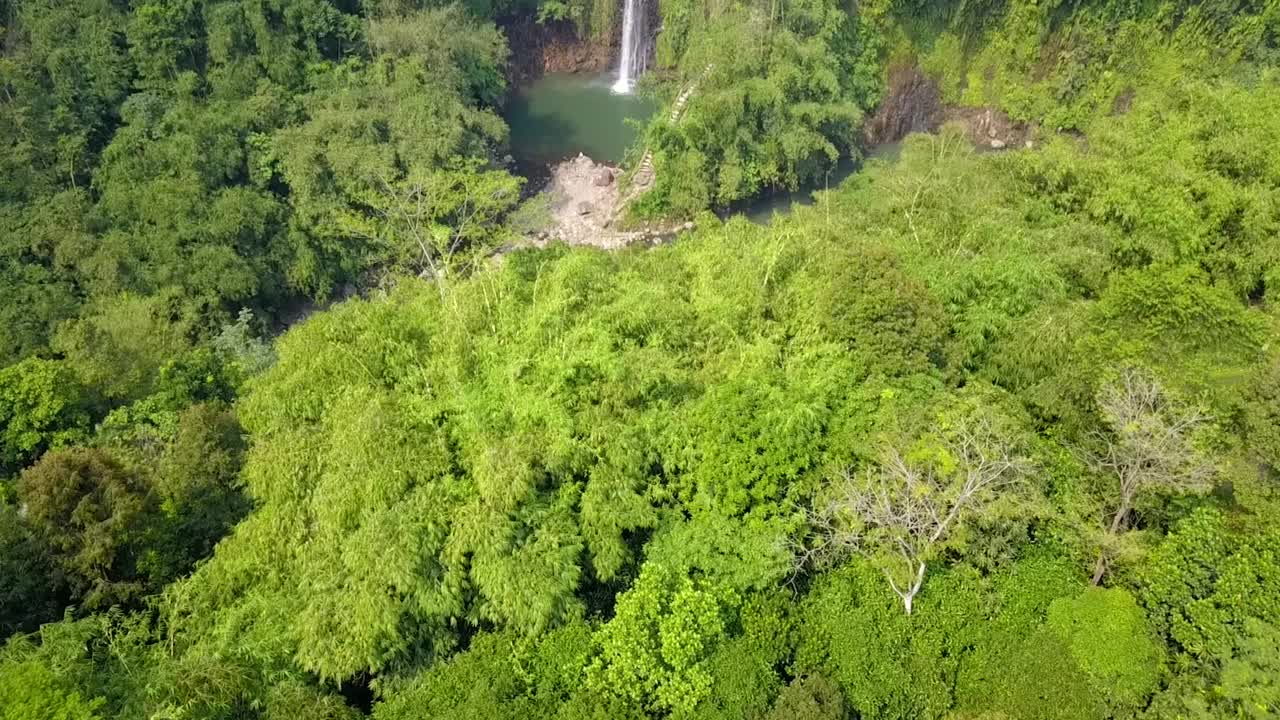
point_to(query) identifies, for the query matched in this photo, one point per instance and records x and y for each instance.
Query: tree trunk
(909, 596)
(1100, 567)
(1117, 523)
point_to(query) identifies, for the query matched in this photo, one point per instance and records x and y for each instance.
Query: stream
(761, 210)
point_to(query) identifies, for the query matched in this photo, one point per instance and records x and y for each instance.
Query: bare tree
(1149, 448)
(902, 511)
(434, 216)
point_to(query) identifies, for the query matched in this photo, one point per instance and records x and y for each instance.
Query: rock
(997, 144)
(585, 208)
(603, 178)
(1028, 145)
(911, 103)
(687, 226)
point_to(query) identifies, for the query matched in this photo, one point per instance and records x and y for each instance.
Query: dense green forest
(984, 435)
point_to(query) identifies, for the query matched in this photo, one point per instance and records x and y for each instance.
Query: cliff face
(913, 103)
(553, 48)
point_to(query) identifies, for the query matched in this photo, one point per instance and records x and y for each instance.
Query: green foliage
(37, 295)
(1205, 580)
(1249, 681)
(241, 347)
(653, 652)
(1063, 67)
(502, 676)
(744, 677)
(886, 318)
(971, 647)
(379, 173)
(296, 699)
(854, 631)
(779, 94)
(41, 406)
(71, 74)
(481, 683)
(813, 697)
(573, 485)
(476, 448)
(1020, 663)
(29, 581)
(207, 157)
(120, 348)
(1262, 414)
(89, 511)
(1108, 637)
(117, 662)
(32, 690)
(198, 486)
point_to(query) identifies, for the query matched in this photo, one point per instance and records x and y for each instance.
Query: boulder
(585, 208)
(603, 178)
(997, 144)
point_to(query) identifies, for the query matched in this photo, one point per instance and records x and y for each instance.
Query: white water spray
(631, 60)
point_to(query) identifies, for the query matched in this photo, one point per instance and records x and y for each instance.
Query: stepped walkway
(645, 175)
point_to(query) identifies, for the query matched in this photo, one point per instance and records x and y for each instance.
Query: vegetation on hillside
(975, 435)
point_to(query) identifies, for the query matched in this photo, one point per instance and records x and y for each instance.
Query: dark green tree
(91, 513)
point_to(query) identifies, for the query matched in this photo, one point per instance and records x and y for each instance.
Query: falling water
(631, 60)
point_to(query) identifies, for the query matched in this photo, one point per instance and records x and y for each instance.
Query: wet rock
(912, 103)
(553, 47)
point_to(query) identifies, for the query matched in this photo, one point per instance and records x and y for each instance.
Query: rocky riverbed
(582, 199)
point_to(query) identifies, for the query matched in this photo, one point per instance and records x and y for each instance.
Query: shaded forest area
(977, 435)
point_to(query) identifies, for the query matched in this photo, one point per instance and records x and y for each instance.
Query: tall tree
(902, 512)
(90, 511)
(1149, 450)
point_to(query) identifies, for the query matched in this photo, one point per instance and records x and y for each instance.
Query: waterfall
(631, 60)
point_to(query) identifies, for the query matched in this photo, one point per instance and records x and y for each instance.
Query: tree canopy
(294, 425)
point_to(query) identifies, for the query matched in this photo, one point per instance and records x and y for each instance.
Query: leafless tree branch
(904, 508)
(1149, 448)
